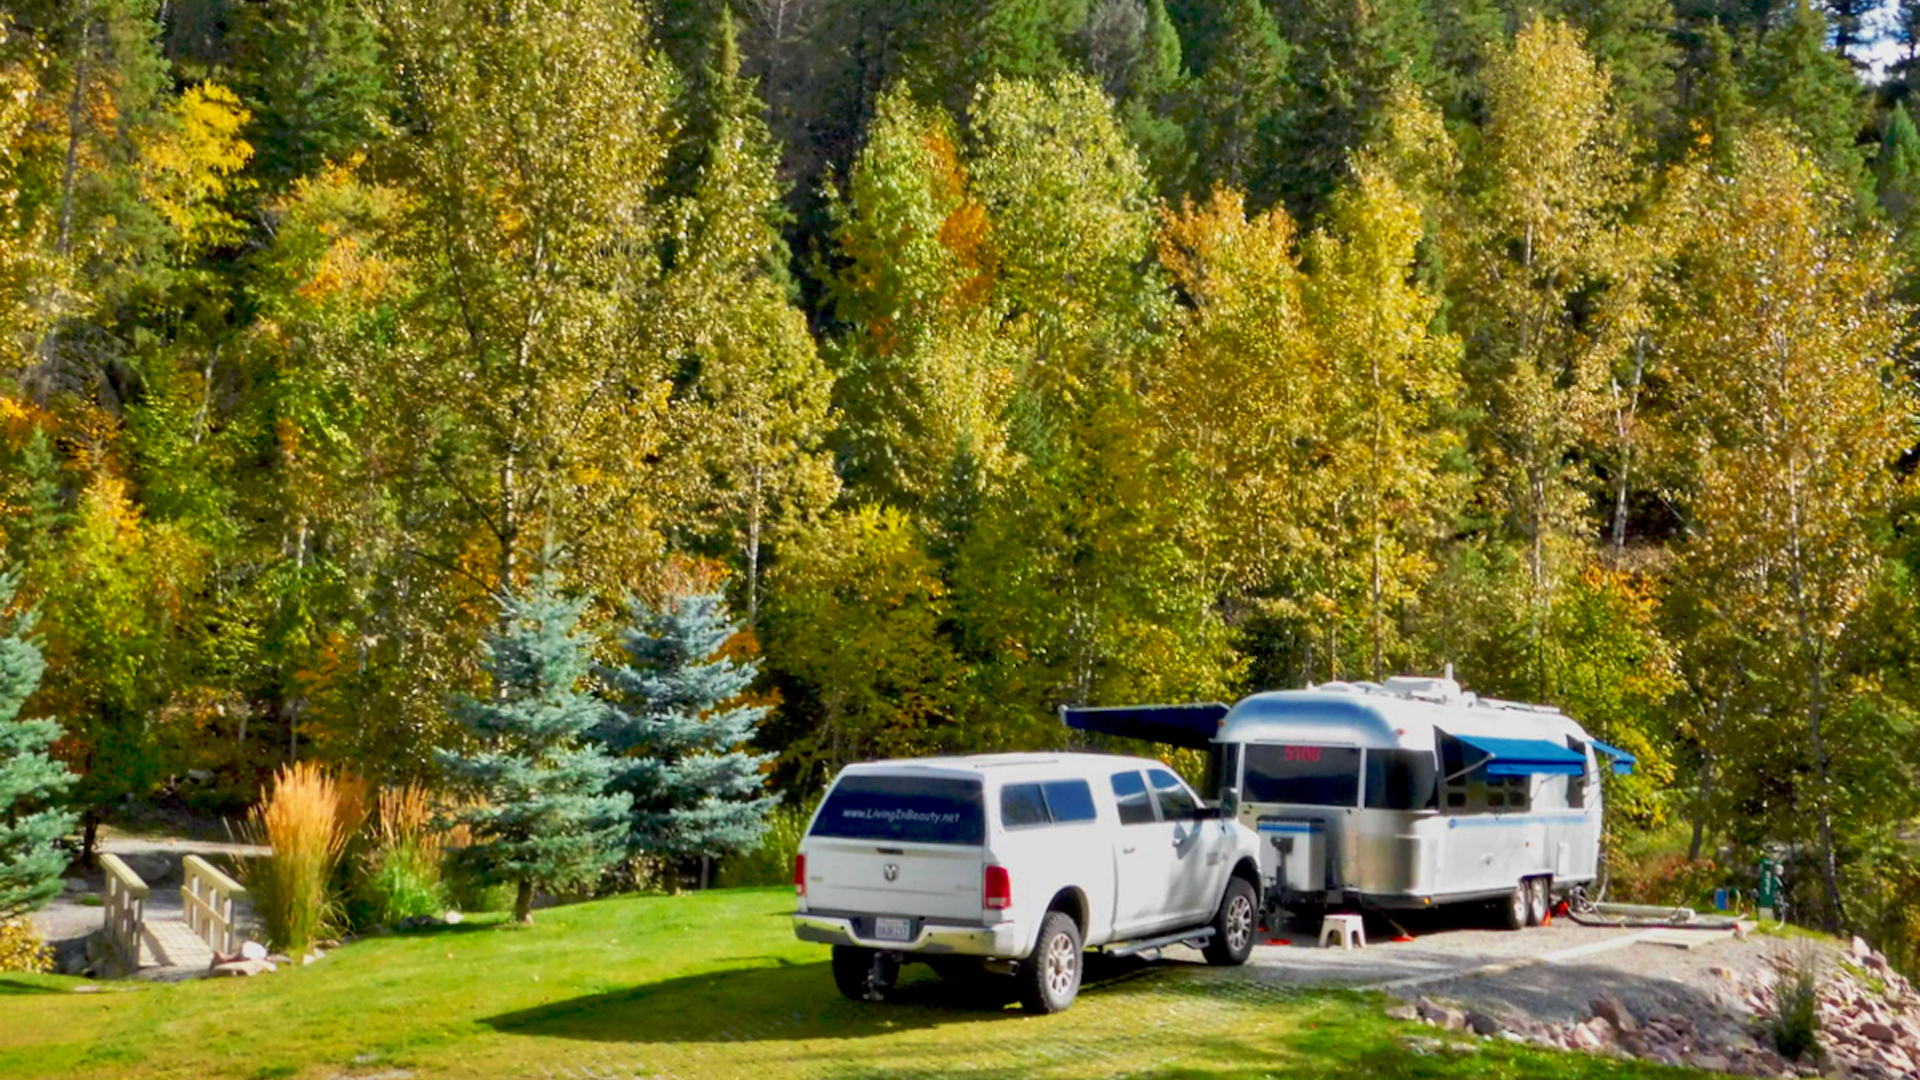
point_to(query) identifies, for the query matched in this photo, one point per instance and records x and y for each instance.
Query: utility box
(1293, 854)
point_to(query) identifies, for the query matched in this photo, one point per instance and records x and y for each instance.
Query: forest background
(991, 355)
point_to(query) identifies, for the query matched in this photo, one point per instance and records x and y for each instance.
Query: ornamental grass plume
(401, 876)
(306, 821)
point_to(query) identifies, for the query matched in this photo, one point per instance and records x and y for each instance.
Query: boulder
(454, 918)
(1608, 1008)
(1860, 948)
(242, 969)
(1403, 1012)
(1482, 1024)
(75, 884)
(1584, 1037)
(1441, 1015)
(252, 950)
(1709, 1061)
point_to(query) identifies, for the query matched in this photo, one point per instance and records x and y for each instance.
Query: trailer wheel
(1232, 940)
(1539, 897)
(1050, 977)
(1513, 912)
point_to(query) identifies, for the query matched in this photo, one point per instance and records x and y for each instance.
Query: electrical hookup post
(1767, 904)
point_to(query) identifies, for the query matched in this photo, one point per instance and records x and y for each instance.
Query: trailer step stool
(1348, 928)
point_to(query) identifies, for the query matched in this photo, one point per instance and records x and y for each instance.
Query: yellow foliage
(187, 169)
(21, 948)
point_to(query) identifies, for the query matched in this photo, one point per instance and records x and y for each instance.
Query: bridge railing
(126, 911)
(207, 899)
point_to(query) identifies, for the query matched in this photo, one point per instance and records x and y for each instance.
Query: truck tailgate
(938, 881)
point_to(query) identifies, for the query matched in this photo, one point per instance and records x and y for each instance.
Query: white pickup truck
(1015, 864)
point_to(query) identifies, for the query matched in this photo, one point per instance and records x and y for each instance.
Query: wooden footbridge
(148, 930)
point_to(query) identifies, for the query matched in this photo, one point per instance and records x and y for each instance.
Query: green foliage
(676, 732)
(771, 862)
(541, 813)
(31, 782)
(1795, 1023)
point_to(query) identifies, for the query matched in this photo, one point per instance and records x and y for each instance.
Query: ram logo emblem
(891, 871)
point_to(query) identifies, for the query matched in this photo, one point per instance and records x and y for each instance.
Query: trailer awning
(1623, 762)
(1525, 757)
(1191, 726)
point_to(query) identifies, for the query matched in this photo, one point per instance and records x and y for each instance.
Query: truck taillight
(800, 875)
(997, 891)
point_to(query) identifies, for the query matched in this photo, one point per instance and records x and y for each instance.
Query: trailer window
(919, 809)
(1136, 807)
(1400, 780)
(1577, 785)
(1302, 775)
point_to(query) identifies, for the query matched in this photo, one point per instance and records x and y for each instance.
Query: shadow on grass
(23, 986)
(787, 1000)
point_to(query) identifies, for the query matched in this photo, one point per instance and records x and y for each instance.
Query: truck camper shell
(1404, 794)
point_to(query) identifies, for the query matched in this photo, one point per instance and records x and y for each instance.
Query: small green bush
(1795, 1024)
(772, 862)
(401, 883)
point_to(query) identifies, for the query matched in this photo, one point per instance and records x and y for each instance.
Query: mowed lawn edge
(711, 985)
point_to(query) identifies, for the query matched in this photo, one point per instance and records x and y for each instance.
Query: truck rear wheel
(853, 969)
(1050, 977)
(1232, 941)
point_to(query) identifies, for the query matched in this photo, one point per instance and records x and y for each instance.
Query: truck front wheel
(1050, 977)
(1232, 941)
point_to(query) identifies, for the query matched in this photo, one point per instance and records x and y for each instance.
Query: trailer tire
(853, 973)
(1050, 977)
(1539, 898)
(1233, 925)
(1513, 910)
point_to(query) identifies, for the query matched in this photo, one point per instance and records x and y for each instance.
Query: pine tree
(1154, 86)
(30, 779)
(679, 734)
(1237, 106)
(543, 816)
(1796, 77)
(1897, 169)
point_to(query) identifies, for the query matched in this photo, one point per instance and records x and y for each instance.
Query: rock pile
(1869, 1026)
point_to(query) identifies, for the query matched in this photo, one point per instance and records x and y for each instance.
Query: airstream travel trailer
(1403, 794)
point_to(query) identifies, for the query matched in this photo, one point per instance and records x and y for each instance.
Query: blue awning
(1623, 762)
(1525, 757)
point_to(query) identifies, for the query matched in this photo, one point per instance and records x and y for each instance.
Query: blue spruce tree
(545, 817)
(30, 780)
(696, 789)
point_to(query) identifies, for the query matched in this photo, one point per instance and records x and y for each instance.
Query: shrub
(305, 820)
(400, 872)
(1795, 1024)
(21, 948)
(771, 863)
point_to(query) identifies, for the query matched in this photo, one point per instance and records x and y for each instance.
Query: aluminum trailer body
(1404, 794)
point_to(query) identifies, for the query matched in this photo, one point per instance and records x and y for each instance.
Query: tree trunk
(523, 903)
(1623, 421)
(1702, 799)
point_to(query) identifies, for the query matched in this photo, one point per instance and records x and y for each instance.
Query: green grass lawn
(706, 986)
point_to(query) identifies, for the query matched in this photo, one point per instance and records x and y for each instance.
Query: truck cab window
(1176, 802)
(1130, 792)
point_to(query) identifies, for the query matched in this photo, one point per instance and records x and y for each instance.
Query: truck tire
(853, 973)
(1050, 976)
(1512, 912)
(1232, 941)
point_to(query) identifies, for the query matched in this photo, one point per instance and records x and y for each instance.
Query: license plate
(893, 929)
